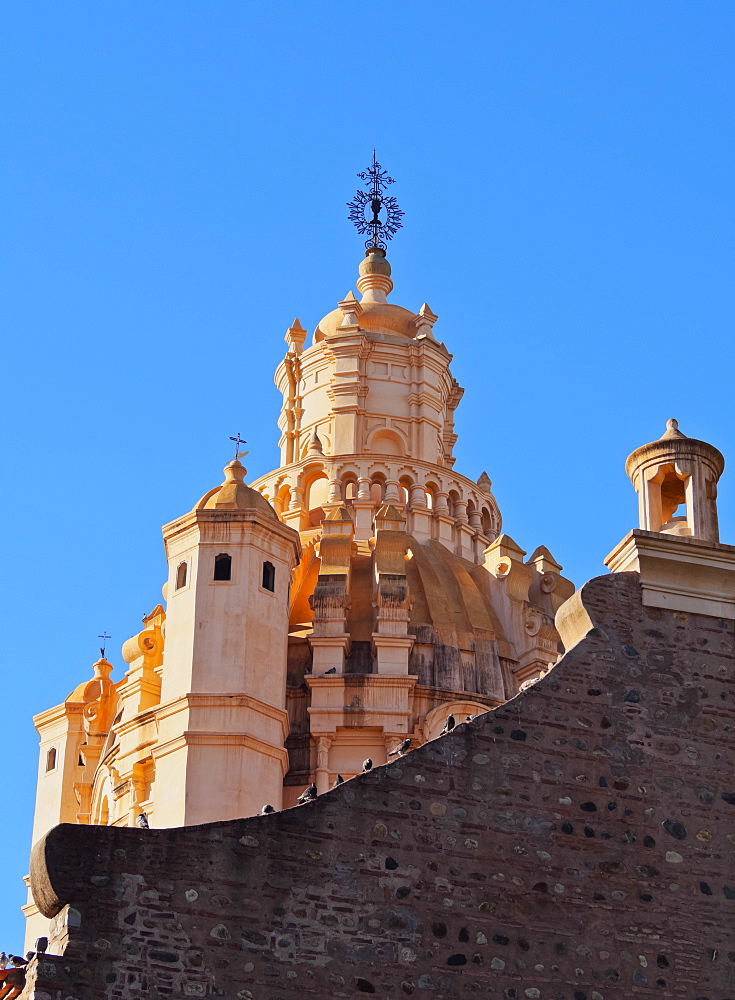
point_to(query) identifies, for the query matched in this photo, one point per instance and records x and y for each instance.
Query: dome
(376, 317)
(235, 494)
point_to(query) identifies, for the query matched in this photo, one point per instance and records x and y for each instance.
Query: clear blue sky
(174, 181)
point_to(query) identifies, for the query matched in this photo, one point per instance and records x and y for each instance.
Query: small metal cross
(238, 441)
(104, 637)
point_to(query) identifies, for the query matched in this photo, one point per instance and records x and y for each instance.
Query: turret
(224, 725)
(676, 550)
(677, 471)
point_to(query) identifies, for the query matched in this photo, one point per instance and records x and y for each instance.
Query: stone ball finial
(374, 262)
(672, 430)
(374, 282)
(235, 472)
(102, 668)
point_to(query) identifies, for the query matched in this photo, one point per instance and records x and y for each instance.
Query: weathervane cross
(104, 637)
(238, 441)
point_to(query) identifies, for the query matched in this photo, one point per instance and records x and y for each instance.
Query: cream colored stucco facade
(356, 596)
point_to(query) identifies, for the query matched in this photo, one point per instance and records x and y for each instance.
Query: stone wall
(577, 843)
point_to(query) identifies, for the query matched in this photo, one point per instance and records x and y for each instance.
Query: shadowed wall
(575, 844)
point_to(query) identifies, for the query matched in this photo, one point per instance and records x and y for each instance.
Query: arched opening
(51, 759)
(316, 496)
(487, 524)
(269, 576)
(181, 572)
(377, 489)
(453, 500)
(404, 489)
(349, 487)
(222, 567)
(105, 812)
(673, 494)
(431, 491)
(282, 499)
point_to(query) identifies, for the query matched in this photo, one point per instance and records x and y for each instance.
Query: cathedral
(365, 727)
(360, 594)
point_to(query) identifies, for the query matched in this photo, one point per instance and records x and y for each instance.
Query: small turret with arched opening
(676, 481)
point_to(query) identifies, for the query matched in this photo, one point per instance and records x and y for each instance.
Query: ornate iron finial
(386, 219)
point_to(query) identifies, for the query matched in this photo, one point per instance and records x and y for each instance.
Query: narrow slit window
(269, 576)
(181, 573)
(51, 759)
(223, 567)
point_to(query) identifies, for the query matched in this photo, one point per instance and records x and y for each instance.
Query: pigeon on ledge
(307, 795)
(401, 748)
(367, 764)
(448, 725)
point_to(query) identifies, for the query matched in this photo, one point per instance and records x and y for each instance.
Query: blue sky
(174, 180)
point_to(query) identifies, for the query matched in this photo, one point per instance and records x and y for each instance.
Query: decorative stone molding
(679, 572)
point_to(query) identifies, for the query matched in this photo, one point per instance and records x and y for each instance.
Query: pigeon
(332, 671)
(448, 726)
(41, 945)
(17, 960)
(339, 780)
(267, 808)
(3, 960)
(401, 748)
(307, 795)
(142, 821)
(30, 955)
(367, 764)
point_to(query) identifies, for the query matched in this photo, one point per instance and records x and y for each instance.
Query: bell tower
(223, 721)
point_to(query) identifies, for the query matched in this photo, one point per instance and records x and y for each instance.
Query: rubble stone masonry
(577, 843)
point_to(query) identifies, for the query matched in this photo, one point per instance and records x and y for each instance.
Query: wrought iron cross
(104, 637)
(386, 217)
(238, 441)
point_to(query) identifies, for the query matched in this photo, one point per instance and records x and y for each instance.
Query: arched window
(181, 575)
(269, 576)
(376, 491)
(51, 759)
(223, 567)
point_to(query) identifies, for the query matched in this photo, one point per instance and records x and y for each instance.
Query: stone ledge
(679, 572)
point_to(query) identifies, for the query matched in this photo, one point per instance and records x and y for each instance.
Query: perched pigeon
(367, 764)
(267, 808)
(307, 795)
(401, 748)
(3, 960)
(142, 821)
(448, 725)
(339, 780)
(30, 955)
(41, 945)
(332, 671)
(17, 960)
